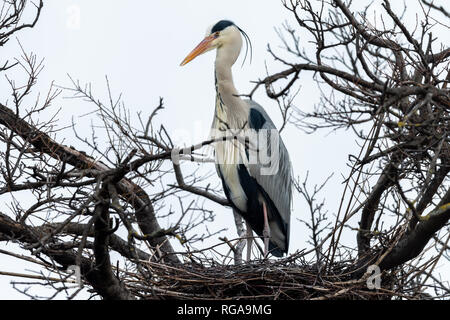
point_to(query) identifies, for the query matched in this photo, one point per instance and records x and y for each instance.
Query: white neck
(225, 58)
(224, 76)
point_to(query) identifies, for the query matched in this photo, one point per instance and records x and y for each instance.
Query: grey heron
(263, 199)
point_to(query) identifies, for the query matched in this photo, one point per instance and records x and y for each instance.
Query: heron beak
(202, 47)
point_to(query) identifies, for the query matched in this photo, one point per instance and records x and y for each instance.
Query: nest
(290, 278)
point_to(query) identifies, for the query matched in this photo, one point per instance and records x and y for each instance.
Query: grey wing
(277, 182)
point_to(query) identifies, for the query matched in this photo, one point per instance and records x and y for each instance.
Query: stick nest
(288, 278)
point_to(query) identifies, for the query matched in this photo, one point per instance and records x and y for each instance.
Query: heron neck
(224, 84)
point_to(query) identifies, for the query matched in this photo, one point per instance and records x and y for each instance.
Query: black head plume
(248, 44)
(222, 24)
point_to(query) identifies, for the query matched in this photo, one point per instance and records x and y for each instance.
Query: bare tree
(385, 81)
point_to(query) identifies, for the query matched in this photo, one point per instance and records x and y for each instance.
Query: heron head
(222, 34)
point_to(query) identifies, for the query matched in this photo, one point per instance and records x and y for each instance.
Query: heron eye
(216, 34)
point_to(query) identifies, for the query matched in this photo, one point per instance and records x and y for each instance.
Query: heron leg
(266, 231)
(239, 248)
(249, 240)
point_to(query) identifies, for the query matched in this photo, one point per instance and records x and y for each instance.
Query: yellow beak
(199, 49)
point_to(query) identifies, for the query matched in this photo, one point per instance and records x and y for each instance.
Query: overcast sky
(139, 46)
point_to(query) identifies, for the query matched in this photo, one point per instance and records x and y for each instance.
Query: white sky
(139, 46)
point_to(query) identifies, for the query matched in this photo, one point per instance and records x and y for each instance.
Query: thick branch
(108, 285)
(386, 180)
(412, 244)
